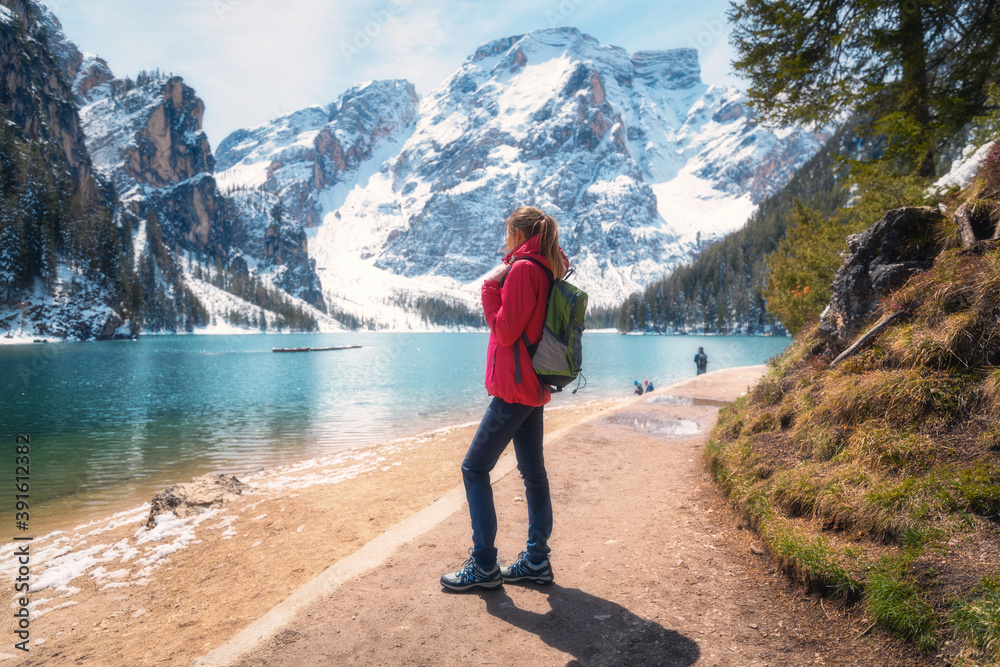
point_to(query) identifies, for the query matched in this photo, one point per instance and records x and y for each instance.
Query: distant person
(649, 386)
(701, 360)
(514, 299)
(638, 388)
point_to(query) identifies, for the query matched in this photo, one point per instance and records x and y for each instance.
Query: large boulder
(882, 259)
(199, 494)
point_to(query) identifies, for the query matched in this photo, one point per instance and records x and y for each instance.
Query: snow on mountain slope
(305, 155)
(220, 304)
(636, 158)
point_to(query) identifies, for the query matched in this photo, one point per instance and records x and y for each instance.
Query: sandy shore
(109, 590)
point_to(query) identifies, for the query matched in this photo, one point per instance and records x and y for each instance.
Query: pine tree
(11, 251)
(917, 70)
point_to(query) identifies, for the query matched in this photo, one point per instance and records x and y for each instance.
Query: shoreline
(69, 514)
(66, 513)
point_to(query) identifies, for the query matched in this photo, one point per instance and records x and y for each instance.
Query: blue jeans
(502, 422)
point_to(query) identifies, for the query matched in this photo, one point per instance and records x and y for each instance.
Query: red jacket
(519, 306)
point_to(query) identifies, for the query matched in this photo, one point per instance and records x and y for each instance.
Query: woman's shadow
(595, 631)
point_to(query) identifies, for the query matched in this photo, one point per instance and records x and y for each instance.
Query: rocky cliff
(145, 136)
(58, 234)
(35, 94)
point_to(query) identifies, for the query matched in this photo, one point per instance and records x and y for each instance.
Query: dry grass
(957, 319)
(902, 397)
(882, 449)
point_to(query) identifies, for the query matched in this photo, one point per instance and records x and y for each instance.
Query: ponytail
(532, 222)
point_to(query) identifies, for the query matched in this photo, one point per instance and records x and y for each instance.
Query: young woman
(514, 302)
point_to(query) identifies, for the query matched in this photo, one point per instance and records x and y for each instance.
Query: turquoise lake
(110, 420)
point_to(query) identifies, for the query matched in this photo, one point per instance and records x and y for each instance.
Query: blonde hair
(531, 222)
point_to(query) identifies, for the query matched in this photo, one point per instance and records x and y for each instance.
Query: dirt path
(651, 568)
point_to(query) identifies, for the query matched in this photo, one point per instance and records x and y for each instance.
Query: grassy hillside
(879, 480)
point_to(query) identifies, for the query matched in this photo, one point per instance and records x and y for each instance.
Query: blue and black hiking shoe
(524, 570)
(470, 575)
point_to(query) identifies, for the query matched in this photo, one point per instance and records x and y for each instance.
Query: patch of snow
(66, 567)
(964, 169)
(123, 518)
(694, 208)
(226, 524)
(74, 305)
(41, 612)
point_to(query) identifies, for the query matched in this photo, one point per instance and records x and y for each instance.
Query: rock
(93, 72)
(882, 259)
(977, 223)
(166, 144)
(192, 497)
(145, 136)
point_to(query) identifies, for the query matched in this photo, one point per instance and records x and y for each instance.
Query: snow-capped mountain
(145, 137)
(636, 158)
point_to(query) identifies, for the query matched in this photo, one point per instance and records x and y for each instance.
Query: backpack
(558, 357)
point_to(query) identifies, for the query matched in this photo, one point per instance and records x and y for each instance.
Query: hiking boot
(470, 575)
(524, 570)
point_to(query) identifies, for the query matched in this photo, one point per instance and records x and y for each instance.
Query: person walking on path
(701, 360)
(514, 300)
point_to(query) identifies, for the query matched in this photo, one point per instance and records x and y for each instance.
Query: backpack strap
(524, 335)
(547, 270)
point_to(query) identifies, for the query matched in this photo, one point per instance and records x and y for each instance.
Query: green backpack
(558, 357)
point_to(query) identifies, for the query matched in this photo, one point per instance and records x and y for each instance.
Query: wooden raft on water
(314, 349)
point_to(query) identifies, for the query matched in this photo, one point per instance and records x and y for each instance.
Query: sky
(253, 60)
